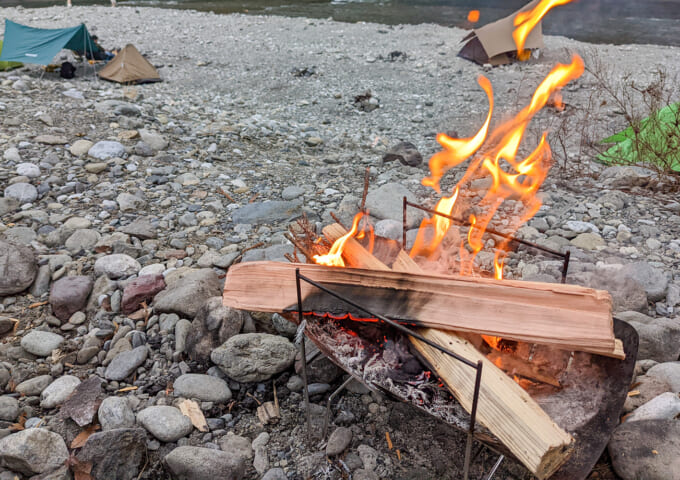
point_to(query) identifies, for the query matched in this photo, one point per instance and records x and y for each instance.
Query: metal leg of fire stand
(473, 416)
(565, 266)
(495, 467)
(303, 354)
(403, 225)
(331, 397)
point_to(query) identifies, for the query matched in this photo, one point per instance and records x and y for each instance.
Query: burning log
(566, 316)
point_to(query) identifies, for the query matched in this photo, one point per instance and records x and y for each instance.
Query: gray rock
(82, 239)
(182, 330)
(22, 192)
(41, 343)
(20, 235)
(668, 372)
(58, 391)
(648, 388)
(254, 357)
(626, 176)
(338, 441)
(153, 139)
(664, 406)
(283, 326)
(196, 463)
(118, 107)
(387, 203)
(106, 149)
(405, 152)
(237, 445)
(165, 423)
(141, 228)
(8, 205)
(659, 337)
(80, 147)
(33, 451)
(115, 454)
(17, 268)
(51, 139)
(115, 413)
(130, 203)
(391, 229)
(581, 227)
(34, 386)
(626, 293)
(214, 324)
(41, 285)
(653, 280)
(267, 212)
(648, 449)
(6, 324)
(275, 474)
(29, 170)
(261, 457)
(116, 265)
(4, 376)
(588, 241)
(203, 387)
(187, 294)
(125, 363)
(9, 408)
(292, 192)
(12, 155)
(68, 295)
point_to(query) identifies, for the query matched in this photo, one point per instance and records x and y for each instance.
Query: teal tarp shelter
(8, 65)
(41, 45)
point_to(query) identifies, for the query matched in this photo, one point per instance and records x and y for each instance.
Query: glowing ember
(473, 16)
(334, 257)
(526, 21)
(511, 178)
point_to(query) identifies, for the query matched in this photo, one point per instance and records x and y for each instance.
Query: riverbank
(159, 188)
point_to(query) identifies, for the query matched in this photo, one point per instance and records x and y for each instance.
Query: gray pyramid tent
(129, 66)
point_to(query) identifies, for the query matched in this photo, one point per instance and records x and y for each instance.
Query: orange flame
(457, 150)
(511, 178)
(441, 225)
(526, 21)
(334, 257)
(473, 16)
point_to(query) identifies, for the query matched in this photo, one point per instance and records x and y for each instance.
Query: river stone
(648, 388)
(292, 192)
(386, 202)
(51, 139)
(9, 408)
(115, 454)
(141, 228)
(82, 239)
(268, 212)
(237, 445)
(141, 289)
(203, 387)
(58, 391)
(8, 205)
(129, 203)
(165, 423)
(115, 413)
(626, 293)
(68, 295)
(187, 292)
(588, 241)
(116, 265)
(338, 441)
(196, 463)
(254, 357)
(22, 192)
(125, 363)
(29, 170)
(34, 386)
(668, 372)
(213, 325)
(626, 176)
(33, 451)
(41, 343)
(406, 152)
(653, 280)
(153, 139)
(80, 147)
(12, 154)
(275, 474)
(20, 235)
(17, 268)
(647, 449)
(664, 406)
(659, 337)
(106, 149)
(117, 107)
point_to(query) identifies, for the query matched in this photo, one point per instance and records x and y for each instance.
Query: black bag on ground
(67, 70)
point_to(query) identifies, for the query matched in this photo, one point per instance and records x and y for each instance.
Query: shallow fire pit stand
(587, 406)
(405, 330)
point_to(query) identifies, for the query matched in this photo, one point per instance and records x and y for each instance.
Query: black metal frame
(564, 256)
(477, 366)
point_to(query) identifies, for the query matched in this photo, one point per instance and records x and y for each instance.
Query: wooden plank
(567, 316)
(504, 407)
(531, 435)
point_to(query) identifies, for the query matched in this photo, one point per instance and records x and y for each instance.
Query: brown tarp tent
(493, 43)
(129, 66)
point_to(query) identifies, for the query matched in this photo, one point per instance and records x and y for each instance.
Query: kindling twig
(299, 246)
(257, 245)
(229, 197)
(337, 220)
(367, 179)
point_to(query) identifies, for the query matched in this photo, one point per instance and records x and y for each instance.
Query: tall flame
(526, 21)
(334, 257)
(511, 178)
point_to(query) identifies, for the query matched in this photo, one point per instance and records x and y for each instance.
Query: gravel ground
(117, 195)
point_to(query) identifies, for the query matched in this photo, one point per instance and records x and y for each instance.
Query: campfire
(537, 365)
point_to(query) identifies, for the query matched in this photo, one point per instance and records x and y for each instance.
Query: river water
(597, 21)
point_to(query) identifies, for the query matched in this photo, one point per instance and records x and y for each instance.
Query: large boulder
(254, 357)
(185, 293)
(653, 280)
(17, 268)
(659, 337)
(386, 202)
(196, 463)
(33, 451)
(213, 325)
